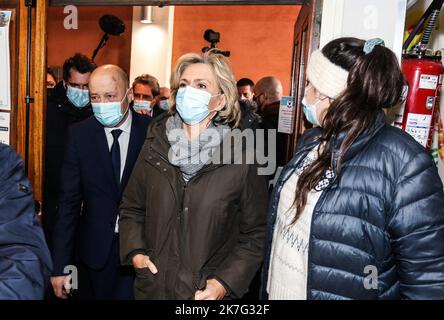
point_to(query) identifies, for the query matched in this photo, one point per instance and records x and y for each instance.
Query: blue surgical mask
(164, 105)
(109, 114)
(192, 104)
(310, 112)
(78, 97)
(140, 105)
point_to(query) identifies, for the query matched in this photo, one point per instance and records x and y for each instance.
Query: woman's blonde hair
(226, 83)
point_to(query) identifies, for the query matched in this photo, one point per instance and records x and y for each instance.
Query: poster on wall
(286, 115)
(5, 120)
(5, 85)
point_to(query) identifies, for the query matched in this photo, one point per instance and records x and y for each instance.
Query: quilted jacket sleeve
(25, 263)
(416, 228)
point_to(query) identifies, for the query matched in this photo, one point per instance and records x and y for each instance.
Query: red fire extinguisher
(424, 75)
(423, 72)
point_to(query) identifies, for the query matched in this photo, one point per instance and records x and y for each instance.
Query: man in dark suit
(99, 158)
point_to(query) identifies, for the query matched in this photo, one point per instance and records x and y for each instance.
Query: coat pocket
(144, 273)
(200, 278)
(145, 285)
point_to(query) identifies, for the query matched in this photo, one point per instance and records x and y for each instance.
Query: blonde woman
(194, 229)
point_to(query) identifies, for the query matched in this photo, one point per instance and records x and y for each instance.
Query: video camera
(213, 37)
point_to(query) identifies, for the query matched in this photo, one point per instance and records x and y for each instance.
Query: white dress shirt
(124, 139)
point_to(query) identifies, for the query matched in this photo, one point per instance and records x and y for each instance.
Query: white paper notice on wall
(428, 82)
(5, 84)
(5, 124)
(286, 115)
(418, 126)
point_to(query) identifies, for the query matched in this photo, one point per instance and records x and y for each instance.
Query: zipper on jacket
(319, 204)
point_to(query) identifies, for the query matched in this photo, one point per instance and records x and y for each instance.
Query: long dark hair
(375, 81)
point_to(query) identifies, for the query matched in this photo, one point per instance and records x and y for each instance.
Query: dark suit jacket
(88, 181)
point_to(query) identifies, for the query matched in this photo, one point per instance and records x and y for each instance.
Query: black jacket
(386, 210)
(88, 182)
(60, 114)
(270, 121)
(211, 227)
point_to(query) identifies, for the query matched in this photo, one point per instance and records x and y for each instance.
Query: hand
(141, 261)
(145, 112)
(59, 284)
(214, 291)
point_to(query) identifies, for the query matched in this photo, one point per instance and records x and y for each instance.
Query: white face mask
(164, 105)
(310, 111)
(109, 114)
(140, 105)
(78, 97)
(192, 104)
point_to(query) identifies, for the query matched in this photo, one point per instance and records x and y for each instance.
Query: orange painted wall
(64, 43)
(260, 38)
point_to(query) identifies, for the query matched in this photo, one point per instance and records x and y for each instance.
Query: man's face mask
(78, 97)
(109, 114)
(140, 105)
(164, 105)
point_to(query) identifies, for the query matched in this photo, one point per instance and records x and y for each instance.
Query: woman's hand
(214, 291)
(141, 261)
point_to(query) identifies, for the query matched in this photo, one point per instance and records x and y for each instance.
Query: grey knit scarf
(191, 156)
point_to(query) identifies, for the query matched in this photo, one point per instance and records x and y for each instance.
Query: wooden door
(18, 71)
(306, 40)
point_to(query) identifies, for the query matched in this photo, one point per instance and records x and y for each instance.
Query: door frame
(311, 12)
(307, 35)
(162, 3)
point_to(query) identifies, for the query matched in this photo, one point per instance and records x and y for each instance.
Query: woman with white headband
(359, 211)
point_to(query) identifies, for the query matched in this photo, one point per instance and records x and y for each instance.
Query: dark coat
(270, 121)
(88, 180)
(249, 119)
(25, 262)
(211, 227)
(386, 211)
(60, 114)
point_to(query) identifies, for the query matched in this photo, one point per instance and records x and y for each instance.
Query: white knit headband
(328, 78)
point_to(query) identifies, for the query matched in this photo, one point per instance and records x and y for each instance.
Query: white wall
(151, 45)
(365, 19)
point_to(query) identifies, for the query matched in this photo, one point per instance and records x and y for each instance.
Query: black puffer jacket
(386, 210)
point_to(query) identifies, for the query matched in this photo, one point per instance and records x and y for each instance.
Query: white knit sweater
(287, 275)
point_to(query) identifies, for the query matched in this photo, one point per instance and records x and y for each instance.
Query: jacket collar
(360, 142)
(160, 144)
(66, 106)
(312, 138)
